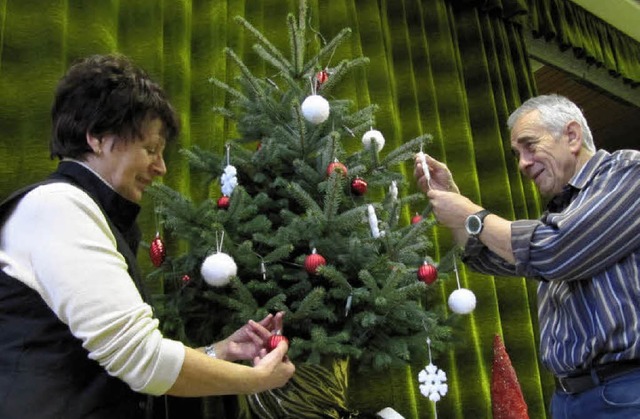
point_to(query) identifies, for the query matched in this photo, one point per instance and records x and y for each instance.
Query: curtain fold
(569, 26)
(436, 67)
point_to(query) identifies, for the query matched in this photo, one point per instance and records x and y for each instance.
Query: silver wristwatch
(475, 223)
(210, 350)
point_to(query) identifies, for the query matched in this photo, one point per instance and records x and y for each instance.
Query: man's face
(550, 162)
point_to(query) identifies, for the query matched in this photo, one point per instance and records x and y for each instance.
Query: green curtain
(569, 26)
(454, 72)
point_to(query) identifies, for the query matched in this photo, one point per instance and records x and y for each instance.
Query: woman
(78, 339)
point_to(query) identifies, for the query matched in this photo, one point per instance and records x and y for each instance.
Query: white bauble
(315, 109)
(373, 135)
(218, 268)
(462, 301)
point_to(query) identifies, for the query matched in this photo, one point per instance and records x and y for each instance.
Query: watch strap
(480, 215)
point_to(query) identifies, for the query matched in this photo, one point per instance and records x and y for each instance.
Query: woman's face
(130, 166)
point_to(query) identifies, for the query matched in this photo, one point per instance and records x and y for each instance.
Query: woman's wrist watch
(210, 350)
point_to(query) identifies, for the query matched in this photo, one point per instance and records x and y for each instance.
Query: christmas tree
(308, 215)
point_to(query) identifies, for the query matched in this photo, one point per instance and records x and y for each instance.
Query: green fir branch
(333, 196)
(406, 151)
(304, 199)
(273, 50)
(327, 51)
(230, 90)
(249, 78)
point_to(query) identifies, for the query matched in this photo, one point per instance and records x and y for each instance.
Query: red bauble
(186, 279)
(322, 76)
(274, 340)
(337, 166)
(416, 219)
(223, 202)
(313, 261)
(427, 273)
(157, 251)
(359, 186)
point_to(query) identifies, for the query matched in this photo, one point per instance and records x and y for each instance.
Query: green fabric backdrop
(453, 72)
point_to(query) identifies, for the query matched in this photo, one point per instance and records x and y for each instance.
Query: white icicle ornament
(315, 109)
(218, 268)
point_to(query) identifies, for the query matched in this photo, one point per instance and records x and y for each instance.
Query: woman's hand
(246, 342)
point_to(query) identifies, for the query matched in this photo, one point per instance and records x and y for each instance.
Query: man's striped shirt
(585, 250)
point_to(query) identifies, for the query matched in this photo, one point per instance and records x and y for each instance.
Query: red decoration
(322, 76)
(223, 202)
(186, 279)
(274, 340)
(507, 401)
(337, 166)
(157, 251)
(359, 186)
(416, 219)
(313, 261)
(427, 273)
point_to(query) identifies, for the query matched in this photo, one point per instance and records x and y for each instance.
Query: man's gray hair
(555, 112)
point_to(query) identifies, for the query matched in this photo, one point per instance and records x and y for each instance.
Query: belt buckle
(563, 386)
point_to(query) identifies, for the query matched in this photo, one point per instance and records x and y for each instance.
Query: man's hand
(437, 177)
(450, 208)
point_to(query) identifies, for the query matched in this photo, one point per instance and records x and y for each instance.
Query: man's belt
(577, 382)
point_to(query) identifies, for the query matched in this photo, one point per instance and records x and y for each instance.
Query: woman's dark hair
(102, 95)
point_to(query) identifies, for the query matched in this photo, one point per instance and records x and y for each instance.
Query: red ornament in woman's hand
(274, 340)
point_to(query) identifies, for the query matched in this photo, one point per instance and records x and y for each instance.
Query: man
(584, 251)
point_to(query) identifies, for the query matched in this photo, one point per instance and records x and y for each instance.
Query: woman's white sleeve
(77, 269)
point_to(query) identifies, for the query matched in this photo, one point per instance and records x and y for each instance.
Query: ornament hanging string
(462, 300)
(219, 243)
(263, 267)
(313, 85)
(455, 269)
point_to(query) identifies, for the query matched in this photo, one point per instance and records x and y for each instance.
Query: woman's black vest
(44, 370)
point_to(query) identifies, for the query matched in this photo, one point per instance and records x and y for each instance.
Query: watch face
(473, 224)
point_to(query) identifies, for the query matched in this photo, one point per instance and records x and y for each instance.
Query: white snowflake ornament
(433, 382)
